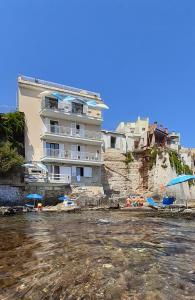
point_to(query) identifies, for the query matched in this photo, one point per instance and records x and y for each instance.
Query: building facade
(114, 140)
(135, 132)
(63, 132)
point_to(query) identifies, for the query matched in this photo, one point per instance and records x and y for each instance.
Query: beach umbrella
(42, 167)
(45, 93)
(180, 180)
(102, 105)
(69, 98)
(63, 198)
(34, 197)
(28, 165)
(58, 95)
(92, 103)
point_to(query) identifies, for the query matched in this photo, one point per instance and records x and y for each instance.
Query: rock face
(119, 179)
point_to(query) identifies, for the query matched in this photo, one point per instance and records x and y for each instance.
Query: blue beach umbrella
(63, 198)
(34, 197)
(58, 95)
(180, 179)
(68, 98)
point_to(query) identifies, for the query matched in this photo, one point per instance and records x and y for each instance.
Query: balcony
(54, 109)
(73, 157)
(59, 178)
(62, 133)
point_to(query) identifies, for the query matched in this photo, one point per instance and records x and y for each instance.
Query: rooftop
(49, 84)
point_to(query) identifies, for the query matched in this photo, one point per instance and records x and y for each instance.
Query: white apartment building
(62, 131)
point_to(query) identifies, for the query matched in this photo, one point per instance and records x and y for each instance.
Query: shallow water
(96, 255)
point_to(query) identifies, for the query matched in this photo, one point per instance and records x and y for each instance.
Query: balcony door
(52, 149)
(77, 108)
(51, 103)
(54, 126)
(56, 172)
(77, 129)
(77, 151)
(65, 174)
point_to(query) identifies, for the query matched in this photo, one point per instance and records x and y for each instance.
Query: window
(80, 171)
(77, 108)
(52, 149)
(113, 141)
(52, 146)
(87, 172)
(54, 126)
(51, 103)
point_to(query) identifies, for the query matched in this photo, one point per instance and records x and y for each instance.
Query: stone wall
(10, 195)
(161, 174)
(119, 181)
(117, 178)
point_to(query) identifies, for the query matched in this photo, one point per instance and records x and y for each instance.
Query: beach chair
(152, 203)
(168, 201)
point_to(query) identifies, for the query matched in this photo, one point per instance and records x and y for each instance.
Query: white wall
(120, 142)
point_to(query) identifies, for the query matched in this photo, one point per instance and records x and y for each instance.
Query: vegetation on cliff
(9, 158)
(11, 141)
(152, 155)
(128, 158)
(178, 164)
(12, 130)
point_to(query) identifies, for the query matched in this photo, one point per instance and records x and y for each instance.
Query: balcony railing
(73, 132)
(59, 178)
(72, 155)
(84, 112)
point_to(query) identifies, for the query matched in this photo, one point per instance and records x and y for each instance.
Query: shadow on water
(96, 255)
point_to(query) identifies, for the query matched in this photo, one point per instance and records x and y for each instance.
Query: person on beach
(128, 202)
(39, 207)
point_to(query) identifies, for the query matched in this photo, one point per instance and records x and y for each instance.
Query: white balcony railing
(73, 132)
(83, 112)
(59, 178)
(71, 155)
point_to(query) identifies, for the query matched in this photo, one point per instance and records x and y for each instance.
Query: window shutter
(67, 106)
(85, 109)
(74, 152)
(87, 172)
(73, 128)
(61, 148)
(74, 171)
(61, 104)
(82, 130)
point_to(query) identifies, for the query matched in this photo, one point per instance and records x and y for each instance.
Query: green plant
(178, 164)
(12, 129)
(9, 157)
(128, 158)
(152, 155)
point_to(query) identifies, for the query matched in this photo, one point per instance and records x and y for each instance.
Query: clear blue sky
(139, 54)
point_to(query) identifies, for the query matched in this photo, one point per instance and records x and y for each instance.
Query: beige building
(135, 132)
(63, 131)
